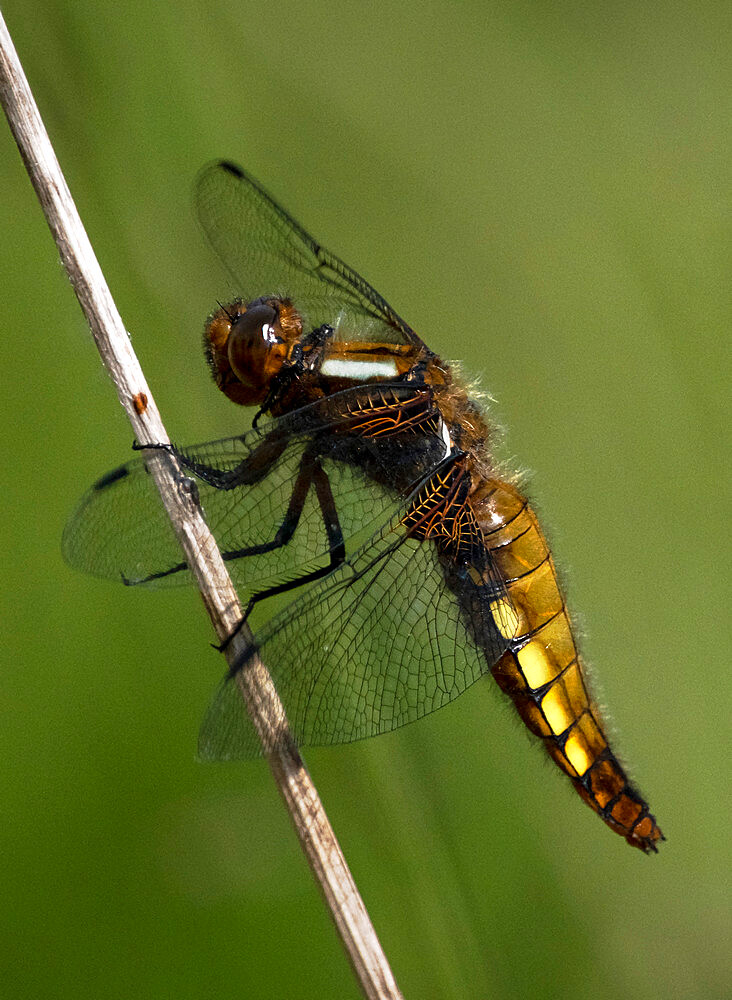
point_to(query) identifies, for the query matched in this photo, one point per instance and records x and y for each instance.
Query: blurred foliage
(542, 190)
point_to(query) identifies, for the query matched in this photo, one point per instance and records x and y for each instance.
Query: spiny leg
(249, 471)
(311, 473)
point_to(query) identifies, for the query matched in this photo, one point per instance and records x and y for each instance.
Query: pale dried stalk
(201, 552)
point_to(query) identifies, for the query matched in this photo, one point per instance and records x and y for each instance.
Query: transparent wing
(268, 253)
(121, 531)
(393, 634)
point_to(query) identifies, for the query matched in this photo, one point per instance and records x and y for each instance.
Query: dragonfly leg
(249, 471)
(311, 473)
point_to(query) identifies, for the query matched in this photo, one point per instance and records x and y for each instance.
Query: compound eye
(255, 348)
(255, 325)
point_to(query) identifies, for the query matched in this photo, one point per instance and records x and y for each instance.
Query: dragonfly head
(246, 346)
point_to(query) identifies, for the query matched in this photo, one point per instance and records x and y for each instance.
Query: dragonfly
(366, 492)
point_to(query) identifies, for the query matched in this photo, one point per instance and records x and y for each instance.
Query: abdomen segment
(542, 671)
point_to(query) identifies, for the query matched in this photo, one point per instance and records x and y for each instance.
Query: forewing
(379, 643)
(120, 529)
(268, 253)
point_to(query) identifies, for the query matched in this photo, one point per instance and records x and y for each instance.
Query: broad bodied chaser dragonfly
(365, 489)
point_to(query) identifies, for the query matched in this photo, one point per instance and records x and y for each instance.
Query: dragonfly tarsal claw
(223, 646)
(136, 446)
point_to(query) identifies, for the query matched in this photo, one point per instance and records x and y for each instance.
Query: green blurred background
(543, 191)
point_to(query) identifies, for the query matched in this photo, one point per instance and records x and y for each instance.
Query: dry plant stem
(298, 792)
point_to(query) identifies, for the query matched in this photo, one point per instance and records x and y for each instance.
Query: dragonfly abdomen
(542, 671)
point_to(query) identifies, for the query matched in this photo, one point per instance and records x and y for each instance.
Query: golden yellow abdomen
(542, 670)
